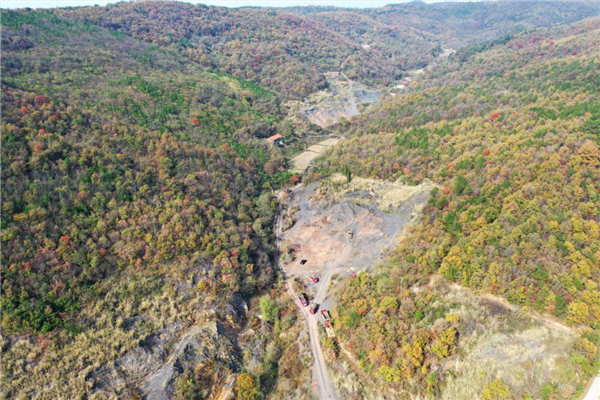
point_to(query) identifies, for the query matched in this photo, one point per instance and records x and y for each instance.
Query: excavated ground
(339, 100)
(344, 233)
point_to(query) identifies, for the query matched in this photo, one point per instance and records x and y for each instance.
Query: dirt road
(594, 392)
(324, 386)
(336, 238)
(353, 110)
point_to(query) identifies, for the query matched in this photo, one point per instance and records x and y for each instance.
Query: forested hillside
(134, 183)
(282, 52)
(510, 132)
(290, 52)
(412, 34)
(106, 169)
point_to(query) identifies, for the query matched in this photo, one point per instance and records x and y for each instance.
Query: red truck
(313, 308)
(328, 325)
(303, 299)
(313, 278)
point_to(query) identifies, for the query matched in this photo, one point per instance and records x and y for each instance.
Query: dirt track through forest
(323, 384)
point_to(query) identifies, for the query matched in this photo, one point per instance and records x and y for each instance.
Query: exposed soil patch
(338, 230)
(302, 161)
(327, 107)
(344, 232)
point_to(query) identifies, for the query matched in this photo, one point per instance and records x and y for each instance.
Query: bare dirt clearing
(300, 163)
(326, 107)
(340, 228)
(336, 235)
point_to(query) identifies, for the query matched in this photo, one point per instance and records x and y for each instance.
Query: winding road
(324, 385)
(353, 109)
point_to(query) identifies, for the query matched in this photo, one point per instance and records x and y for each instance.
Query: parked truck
(328, 325)
(303, 299)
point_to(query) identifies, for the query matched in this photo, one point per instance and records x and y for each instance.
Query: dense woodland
(137, 184)
(289, 52)
(121, 161)
(124, 171)
(510, 133)
(412, 34)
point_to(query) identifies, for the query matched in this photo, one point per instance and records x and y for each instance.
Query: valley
(205, 202)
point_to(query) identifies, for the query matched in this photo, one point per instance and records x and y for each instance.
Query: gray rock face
(238, 305)
(152, 367)
(367, 96)
(340, 100)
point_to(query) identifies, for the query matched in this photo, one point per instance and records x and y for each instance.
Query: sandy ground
(342, 236)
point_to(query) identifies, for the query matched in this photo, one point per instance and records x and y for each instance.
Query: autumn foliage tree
(246, 388)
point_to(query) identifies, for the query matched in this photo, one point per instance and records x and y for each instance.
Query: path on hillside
(353, 109)
(324, 385)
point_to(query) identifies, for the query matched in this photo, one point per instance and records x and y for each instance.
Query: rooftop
(273, 138)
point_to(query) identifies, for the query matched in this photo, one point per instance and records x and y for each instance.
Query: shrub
(496, 390)
(269, 309)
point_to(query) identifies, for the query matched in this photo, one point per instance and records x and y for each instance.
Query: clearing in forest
(341, 228)
(301, 162)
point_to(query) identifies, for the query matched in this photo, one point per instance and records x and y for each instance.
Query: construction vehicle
(328, 324)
